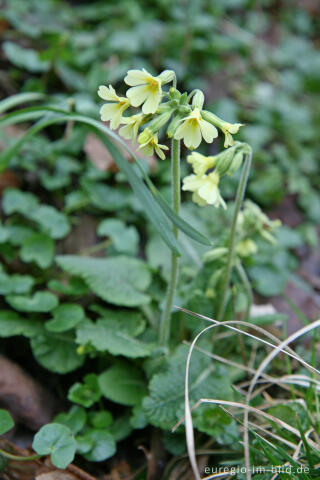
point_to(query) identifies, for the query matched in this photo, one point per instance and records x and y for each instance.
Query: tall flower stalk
(165, 111)
(165, 322)
(232, 239)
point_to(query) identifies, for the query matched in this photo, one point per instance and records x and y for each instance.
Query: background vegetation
(63, 317)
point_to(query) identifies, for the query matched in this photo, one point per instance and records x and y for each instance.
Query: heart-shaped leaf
(39, 302)
(104, 445)
(75, 419)
(11, 284)
(123, 384)
(56, 354)
(6, 422)
(57, 441)
(12, 324)
(38, 248)
(65, 317)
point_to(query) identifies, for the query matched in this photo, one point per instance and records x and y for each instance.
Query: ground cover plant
(114, 229)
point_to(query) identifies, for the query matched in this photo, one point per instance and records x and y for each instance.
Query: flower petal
(152, 102)
(200, 163)
(191, 183)
(109, 110)
(209, 192)
(159, 152)
(138, 95)
(198, 200)
(192, 136)
(136, 77)
(209, 131)
(126, 131)
(146, 149)
(108, 93)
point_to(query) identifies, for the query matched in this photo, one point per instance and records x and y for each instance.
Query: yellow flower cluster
(188, 121)
(204, 183)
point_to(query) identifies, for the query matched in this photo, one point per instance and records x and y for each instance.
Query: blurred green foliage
(258, 63)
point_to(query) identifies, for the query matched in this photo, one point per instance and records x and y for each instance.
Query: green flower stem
(165, 322)
(18, 458)
(232, 241)
(246, 284)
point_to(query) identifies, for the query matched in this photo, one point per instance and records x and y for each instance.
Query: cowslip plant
(61, 333)
(179, 117)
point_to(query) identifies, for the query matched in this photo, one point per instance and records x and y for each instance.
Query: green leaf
(76, 287)
(104, 445)
(123, 384)
(86, 393)
(18, 234)
(4, 234)
(39, 302)
(116, 335)
(25, 58)
(124, 239)
(6, 421)
(75, 419)
(57, 441)
(65, 317)
(10, 284)
(268, 280)
(54, 223)
(165, 404)
(57, 354)
(47, 217)
(18, 99)
(12, 324)
(38, 248)
(155, 214)
(121, 427)
(138, 419)
(150, 202)
(101, 419)
(16, 201)
(118, 280)
(178, 221)
(107, 198)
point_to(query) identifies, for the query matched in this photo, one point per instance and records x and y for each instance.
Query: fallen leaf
(101, 158)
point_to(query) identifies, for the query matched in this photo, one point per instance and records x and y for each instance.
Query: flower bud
(184, 99)
(173, 125)
(144, 136)
(246, 248)
(167, 76)
(215, 254)
(236, 163)
(159, 121)
(224, 161)
(198, 100)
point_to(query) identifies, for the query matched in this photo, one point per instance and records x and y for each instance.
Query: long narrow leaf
(155, 214)
(19, 99)
(36, 112)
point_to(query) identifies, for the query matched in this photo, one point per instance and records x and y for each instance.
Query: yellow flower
(246, 247)
(200, 163)
(112, 111)
(149, 143)
(132, 124)
(193, 128)
(227, 128)
(146, 89)
(205, 189)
